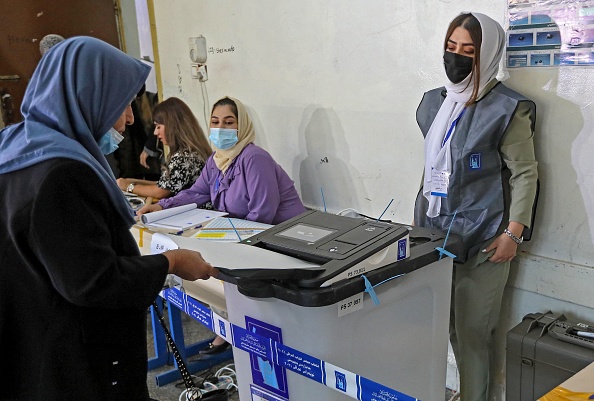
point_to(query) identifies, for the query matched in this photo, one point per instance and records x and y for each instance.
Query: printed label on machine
(259, 394)
(299, 362)
(376, 392)
(222, 327)
(266, 373)
(403, 249)
(350, 305)
(341, 380)
(199, 312)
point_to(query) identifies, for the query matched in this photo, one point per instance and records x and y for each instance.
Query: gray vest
(479, 184)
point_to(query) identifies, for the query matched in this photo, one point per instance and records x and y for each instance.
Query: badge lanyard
(440, 180)
(217, 182)
(451, 130)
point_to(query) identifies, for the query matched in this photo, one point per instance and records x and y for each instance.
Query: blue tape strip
(442, 250)
(190, 306)
(369, 289)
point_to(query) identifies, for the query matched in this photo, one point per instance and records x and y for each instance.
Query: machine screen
(303, 232)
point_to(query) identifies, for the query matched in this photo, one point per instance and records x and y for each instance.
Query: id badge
(440, 181)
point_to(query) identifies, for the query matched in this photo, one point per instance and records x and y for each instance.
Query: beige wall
(333, 85)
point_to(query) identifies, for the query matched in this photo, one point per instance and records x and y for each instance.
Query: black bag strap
(193, 393)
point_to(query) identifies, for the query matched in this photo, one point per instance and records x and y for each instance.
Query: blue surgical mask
(110, 141)
(223, 138)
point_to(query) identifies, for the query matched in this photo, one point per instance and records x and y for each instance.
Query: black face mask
(457, 66)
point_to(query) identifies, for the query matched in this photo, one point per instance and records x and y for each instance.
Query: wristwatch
(517, 240)
(130, 187)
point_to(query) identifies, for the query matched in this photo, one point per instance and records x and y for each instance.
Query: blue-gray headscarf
(76, 94)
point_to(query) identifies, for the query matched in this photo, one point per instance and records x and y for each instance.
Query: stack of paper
(180, 218)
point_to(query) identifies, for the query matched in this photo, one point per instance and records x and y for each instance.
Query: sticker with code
(350, 305)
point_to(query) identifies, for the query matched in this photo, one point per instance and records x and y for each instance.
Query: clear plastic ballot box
(387, 343)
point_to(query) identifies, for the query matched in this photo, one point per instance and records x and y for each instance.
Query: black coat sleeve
(85, 246)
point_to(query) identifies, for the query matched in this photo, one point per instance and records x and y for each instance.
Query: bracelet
(517, 240)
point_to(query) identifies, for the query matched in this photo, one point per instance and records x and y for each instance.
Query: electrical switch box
(198, 49)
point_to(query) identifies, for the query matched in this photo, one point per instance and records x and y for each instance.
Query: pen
(233, 225)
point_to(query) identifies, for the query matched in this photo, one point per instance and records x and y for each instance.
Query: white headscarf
(245, 135)
(436, 155)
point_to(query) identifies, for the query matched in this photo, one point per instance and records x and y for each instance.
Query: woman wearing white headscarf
(480, 178)
(74, 289)
(239, 178)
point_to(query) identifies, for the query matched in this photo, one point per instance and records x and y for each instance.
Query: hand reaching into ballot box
(189, 265)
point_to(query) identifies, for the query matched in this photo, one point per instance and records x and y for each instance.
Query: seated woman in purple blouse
(239, 178)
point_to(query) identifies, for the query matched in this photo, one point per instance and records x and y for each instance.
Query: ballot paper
(230, 229)
(230, 255)
(180, 218)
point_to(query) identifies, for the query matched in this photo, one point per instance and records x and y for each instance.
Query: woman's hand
(505, 247)
(155, 207)
(123, 183)
(189, 265)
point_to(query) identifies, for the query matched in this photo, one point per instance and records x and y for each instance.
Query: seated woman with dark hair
(240, 178)
(177, 127)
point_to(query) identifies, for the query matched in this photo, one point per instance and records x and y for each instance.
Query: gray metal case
(541, 354)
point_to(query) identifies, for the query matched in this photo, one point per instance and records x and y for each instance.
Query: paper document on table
(230, 222)
(232, 255)
(230, 229)
(225, 235)
(180, 217)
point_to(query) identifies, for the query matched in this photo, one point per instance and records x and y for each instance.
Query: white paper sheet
(163, 214)
(231, 255)
(229, 229)
(230, 223)
(180, 217)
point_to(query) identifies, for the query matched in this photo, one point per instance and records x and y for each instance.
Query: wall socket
(199, 72)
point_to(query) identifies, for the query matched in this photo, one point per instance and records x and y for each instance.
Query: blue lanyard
(217, 182)
(454, 123)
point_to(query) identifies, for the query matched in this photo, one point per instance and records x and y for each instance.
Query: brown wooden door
(22, 25)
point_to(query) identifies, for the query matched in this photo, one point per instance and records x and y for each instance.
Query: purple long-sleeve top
(254, 188)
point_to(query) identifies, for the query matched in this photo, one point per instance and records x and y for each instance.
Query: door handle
(9, 78)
